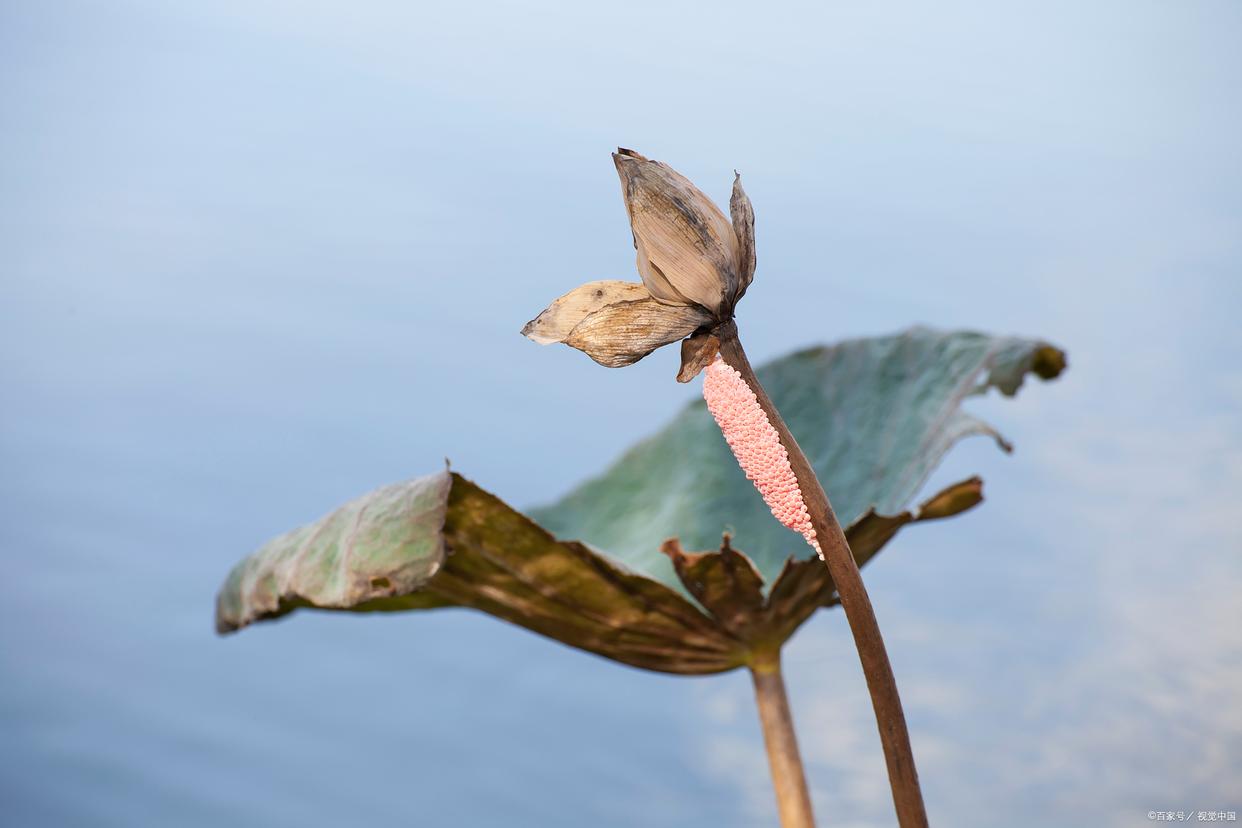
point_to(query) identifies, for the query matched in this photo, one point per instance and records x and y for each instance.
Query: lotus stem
(835, 552)
(793, 801)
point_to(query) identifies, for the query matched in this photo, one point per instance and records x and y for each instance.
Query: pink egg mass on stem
(756, 446)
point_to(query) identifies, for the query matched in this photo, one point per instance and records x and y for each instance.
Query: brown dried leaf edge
(500, 562)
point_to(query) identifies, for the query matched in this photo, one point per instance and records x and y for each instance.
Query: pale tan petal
(686, 237)
(623, 333)
(744, 227)
(655, 280)
(555, 323)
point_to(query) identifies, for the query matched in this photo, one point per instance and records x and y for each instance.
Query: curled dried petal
(697, 352)
(690, 247)
(563, 315)
(744, 227)
(625, 332)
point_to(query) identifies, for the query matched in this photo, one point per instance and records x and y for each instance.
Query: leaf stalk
(793, 800)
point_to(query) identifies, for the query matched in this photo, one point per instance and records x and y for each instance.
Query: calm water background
(260, 257)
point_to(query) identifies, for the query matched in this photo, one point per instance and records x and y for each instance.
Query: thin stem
(894, 737)
(793, 802)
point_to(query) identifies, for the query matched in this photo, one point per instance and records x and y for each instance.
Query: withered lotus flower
(695, 265)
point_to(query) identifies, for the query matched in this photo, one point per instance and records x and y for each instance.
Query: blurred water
(258, 258)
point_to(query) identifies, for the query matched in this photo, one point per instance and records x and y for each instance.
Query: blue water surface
(260, 257)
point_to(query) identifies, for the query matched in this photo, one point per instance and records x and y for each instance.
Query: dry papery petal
(656, 282)
(563, 315)
(687, 239)
(744, 228)
(625, 332)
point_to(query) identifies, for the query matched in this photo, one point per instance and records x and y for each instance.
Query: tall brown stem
(793, 802)
(894, 737)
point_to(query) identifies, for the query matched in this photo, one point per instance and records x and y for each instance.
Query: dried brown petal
(690, 246)
(563, 315)
(623, 333)
(654, 280)
(696, 353)
(744, 227)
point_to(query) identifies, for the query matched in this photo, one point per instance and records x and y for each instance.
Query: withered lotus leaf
(875, 416)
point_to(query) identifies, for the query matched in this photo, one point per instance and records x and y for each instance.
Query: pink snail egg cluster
(756, 446)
